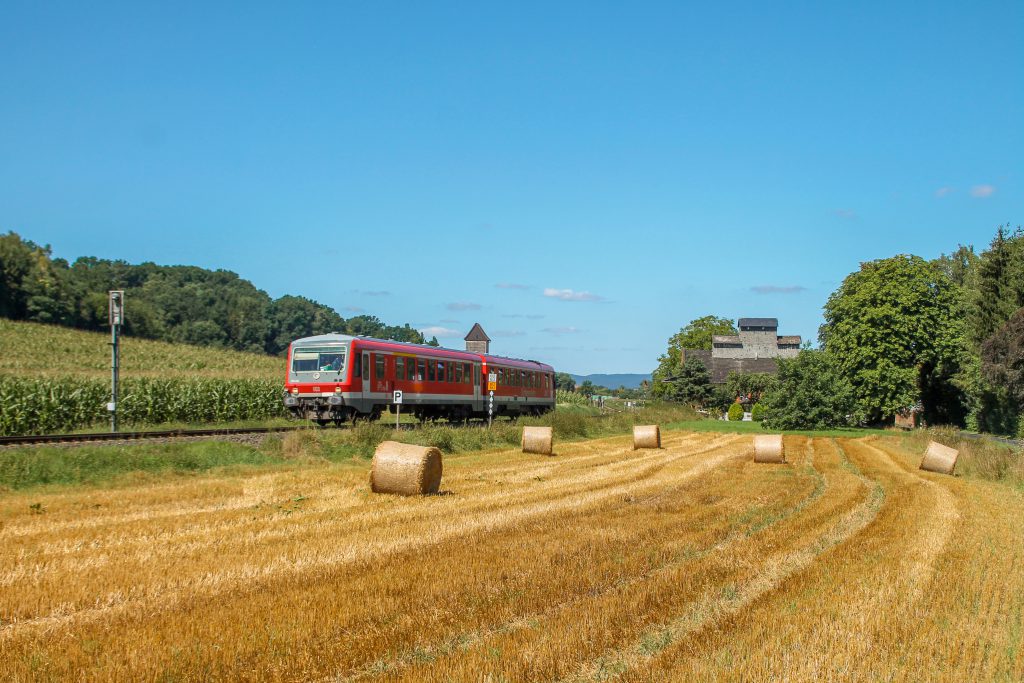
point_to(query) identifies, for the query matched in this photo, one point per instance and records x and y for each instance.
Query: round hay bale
(768, 448)
(405, 469)
(646, 436)
(939, 458)
(538, 440)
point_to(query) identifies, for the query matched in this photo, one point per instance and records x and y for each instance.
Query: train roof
(336, 337)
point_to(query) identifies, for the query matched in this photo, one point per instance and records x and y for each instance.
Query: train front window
(318, 359)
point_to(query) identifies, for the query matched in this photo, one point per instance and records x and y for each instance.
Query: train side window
(357, 367)
(431, 370)
(378, 365)
(476, 375)
(410, 369)
(458, 373)
(522, 378)
(421, 370)
(399, 367)
(467, 374)
(501, 376)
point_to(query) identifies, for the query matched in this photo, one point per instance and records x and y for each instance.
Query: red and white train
(336, 377)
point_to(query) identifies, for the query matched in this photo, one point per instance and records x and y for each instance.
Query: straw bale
(939, 458)
(538, 440)
(768, 448)
(405, 469)
(646, 436)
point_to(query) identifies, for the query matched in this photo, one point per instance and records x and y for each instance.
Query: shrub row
(39, 406)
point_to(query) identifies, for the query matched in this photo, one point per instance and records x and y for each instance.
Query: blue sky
(581, 178)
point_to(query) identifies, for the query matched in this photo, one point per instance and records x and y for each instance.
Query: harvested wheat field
(686, 563)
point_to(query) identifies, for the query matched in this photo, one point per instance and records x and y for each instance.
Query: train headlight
(337, 390)
(295, 391)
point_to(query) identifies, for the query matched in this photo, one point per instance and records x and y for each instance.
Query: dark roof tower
(477, 340)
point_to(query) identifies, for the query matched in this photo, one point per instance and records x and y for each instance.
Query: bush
(757, 412)
(735, 412)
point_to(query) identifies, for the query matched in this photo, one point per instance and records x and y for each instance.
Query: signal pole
(116, 318)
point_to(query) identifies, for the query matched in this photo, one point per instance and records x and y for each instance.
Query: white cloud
(463, 306)
(982, 191)
(354, 309)
(561, 330)
(571, 295)
(511, 285)
(438, 331)
(450, 321)
(528, 316)
(778, 289)
(848, 214)
(944, 191)
(508, 333)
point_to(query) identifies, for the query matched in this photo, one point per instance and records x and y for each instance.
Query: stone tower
(477, 340)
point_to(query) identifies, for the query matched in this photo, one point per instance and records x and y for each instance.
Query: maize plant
(44, 405)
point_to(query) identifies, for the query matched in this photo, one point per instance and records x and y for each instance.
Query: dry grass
(685, 563)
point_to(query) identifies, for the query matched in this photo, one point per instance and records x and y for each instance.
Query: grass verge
(25, 468)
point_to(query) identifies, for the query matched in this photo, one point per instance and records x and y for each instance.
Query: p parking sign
(397, 400)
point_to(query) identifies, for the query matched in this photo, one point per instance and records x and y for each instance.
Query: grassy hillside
(34, 350)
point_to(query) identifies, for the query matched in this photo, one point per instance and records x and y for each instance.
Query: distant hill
(613, 381)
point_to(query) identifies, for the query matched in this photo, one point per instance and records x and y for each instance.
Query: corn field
(570, 398)
(34, 350)
(42, 405)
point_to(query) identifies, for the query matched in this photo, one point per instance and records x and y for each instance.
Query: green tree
(564, 381)
(1002, 358)
(587, 388)
(753, 384)
(735, 413)
(998, 291)
(811, 392)
(696, 335)
(692, 384)
(893, 329)
(433, 342)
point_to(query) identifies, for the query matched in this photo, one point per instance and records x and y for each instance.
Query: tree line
(942, 338)
(183, 304)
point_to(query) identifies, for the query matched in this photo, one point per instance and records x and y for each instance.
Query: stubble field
(602, 563)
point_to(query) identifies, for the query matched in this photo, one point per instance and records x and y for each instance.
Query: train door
(367, 383)
(477, 393)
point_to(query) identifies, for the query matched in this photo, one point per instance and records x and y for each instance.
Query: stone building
(477, 340)
(758, 338)
(755, 349)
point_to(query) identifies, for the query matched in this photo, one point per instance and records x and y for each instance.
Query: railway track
(67, 439)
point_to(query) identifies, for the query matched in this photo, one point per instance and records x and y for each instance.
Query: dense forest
(941, 338)
(169, 303)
